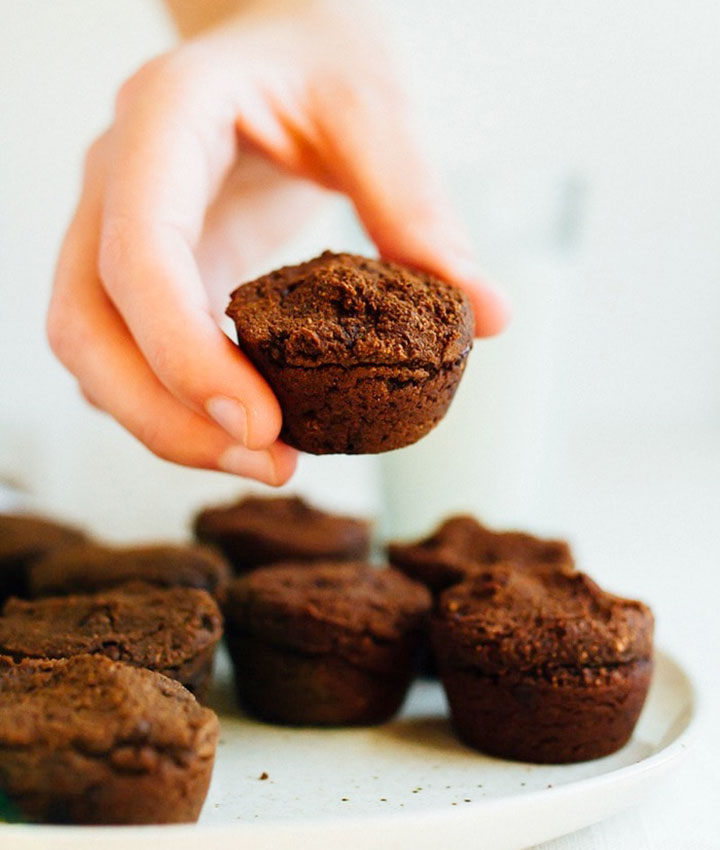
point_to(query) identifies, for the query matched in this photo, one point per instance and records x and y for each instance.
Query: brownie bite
(363, 355)
(461, 545)
(542, 665)
(87, 740)
(88, 568)
(256, 531)
(324, 645)
(173, 631)
(23, 539)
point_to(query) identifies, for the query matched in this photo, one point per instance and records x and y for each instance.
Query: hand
(216, 152)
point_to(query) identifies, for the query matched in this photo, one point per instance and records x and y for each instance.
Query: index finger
(171, 150)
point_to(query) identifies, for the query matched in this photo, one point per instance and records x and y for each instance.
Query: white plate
(406, 784)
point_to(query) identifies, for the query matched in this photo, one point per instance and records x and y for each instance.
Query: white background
(598, 416)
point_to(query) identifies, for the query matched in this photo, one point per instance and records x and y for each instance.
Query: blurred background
(581, 143)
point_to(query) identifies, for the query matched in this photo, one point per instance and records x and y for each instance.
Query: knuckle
(115, 248)
(168, 76)
(361, 96)
(165, 363)
(171, 444)
(174, 368)
(59, 335)
(151, 434)
(133, 87)
(94, 156)
(128, 91)
(90, 397)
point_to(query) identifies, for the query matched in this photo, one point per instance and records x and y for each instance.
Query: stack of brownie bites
(539, 663)
(106, 653)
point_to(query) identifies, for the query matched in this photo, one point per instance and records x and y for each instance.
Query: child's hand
(195, 181)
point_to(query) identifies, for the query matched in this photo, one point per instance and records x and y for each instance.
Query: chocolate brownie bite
(324, 645)
(256, 531)
(87, 740)
(88, 568)
(173, 631)
(542, 665)
(461, 545)
(23, 539)
(363, 355)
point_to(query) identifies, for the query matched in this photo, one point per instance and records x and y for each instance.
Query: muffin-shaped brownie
(363, 355)
(461, 545)
(324, 645)
(173, 631)
(256, 531)
(23, 538)
(542, 665)
(87, 740)
(89, 568)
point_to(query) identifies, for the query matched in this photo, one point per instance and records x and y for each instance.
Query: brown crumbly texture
(461, 545)
(329, 644)
(363, 355)
(24, 538)
(346, 310)
(256, 531)
(568, 717)
(86, 740)
(542, 665)
(508, 618)
(88, 568)
(329, 608)
(173, 631)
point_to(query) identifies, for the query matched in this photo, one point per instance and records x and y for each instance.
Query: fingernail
(238, 460)
(229, 415)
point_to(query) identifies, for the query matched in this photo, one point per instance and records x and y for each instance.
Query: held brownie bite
(461, 545)
(86, 740)
(325, 645)
(87, 568)
(173, 631)
(23, 538)
(542, 665)
(363, 355)
(255, 531)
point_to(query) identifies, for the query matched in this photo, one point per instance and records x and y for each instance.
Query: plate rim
(677, 748)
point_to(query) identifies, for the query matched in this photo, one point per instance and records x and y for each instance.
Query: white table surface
(651, 527)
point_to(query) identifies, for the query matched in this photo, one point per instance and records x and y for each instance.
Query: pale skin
(218, 151)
